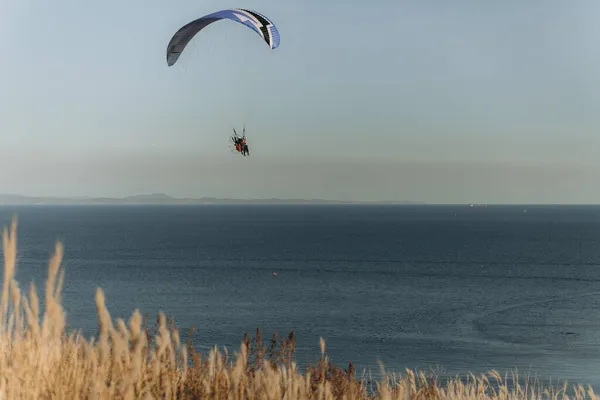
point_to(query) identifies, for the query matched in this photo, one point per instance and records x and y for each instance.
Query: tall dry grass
(40, 359)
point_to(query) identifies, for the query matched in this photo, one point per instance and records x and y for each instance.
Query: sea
(451, 289)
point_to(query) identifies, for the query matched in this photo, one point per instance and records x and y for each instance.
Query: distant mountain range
(161, 198)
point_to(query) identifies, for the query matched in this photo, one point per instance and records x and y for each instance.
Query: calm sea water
(452, 288)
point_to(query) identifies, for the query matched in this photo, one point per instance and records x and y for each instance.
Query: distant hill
(161, 198)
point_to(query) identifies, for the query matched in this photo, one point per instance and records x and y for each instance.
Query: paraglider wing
(255, 21)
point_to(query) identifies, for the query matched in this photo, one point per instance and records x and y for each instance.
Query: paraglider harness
(240, 143)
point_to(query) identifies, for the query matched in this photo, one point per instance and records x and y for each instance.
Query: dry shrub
(41, 360)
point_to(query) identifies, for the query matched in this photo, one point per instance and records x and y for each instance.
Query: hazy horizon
(461, 103)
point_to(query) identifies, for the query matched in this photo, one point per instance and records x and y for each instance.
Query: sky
(443, 102)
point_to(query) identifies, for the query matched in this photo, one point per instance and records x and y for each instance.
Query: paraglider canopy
(253, 20)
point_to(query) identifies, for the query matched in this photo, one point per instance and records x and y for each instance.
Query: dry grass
(41, 360)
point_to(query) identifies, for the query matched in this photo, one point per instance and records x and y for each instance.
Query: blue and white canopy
(253, 20)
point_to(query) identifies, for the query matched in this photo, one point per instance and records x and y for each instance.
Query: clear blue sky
(462, 101)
